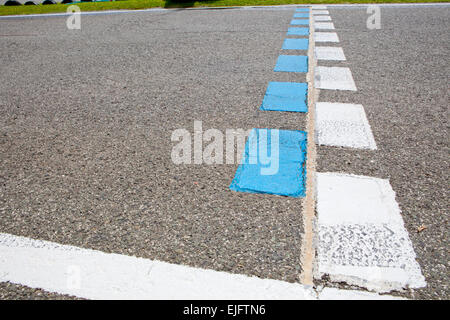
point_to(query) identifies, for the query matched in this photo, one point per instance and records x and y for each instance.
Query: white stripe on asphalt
(325, 37)
(338, 294)
(322, 18)
(324, 25)
(343, 125)
(362, 239)
(96, 275)
(334, 78)
(329, 53)
(320, 12)
(318, 7)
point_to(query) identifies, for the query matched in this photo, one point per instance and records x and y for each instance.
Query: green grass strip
(144, 4)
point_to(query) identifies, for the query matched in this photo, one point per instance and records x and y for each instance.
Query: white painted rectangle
(329, 53)
(326, 37)
(320, 12)
(318, 7)
(362, 239)
(343, 125)
(324, 25)
(322, 18)
(334, 78)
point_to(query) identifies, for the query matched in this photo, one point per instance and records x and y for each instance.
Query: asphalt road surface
(87, 117)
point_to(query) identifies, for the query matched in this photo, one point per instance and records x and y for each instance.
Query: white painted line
(322, 18)
(362, 239)
(96, 275)
(334, 78)
(324, 25)
(320, 12)
(318, 7)
(343, 125)
(339, 294)
(325, 37)
(329, 53)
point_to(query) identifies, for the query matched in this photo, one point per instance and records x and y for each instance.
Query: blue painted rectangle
(298, 22)
(295, 44)
(302, 10)
(298, 31)
(301, 15)
(291, 63)
(286, 96)
(288, 149)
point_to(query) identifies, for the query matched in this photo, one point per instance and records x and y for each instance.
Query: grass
(144, 4)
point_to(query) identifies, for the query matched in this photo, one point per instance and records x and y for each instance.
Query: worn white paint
(47, 265)
(318, 7)
(94, 274)
(334, 78)
(320, 12)
(343, 125)
(329, 53)
(325, 37)
(339, 294)
(322, 18)
(323, 25)
(362, 239)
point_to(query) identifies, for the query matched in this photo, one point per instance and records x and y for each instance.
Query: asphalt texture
(87, 118)
(401, 72)
(85, 136)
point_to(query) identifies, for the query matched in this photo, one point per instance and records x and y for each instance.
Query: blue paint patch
(295, 44)
(285, 96)
(291, 63)
(297, 22)
(288, 148)
(301, 15)
(302, 10)
(298, 31)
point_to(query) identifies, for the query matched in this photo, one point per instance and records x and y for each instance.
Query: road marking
(47, 265)
(298, 31)
(322, 18)
(343, 125)
(318, 7)
(297, 22)
(362, 240)
(329, 53)
(286, 173)
(334, 78)
(302, 10)
(338, 294)
(317, 12)
(50, 266)
(326, 37)
(301, 15)
(295, 44)
(323, 25)
(285, 96)
(291, 63)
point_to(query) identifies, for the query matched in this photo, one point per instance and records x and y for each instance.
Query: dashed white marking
(343, 125)
(362, 239)
(322, 18)
(97, 275)
(320, 12)
(318, 7)
(334, 78)
(329, 53)
(324, 25)
(326, 37)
